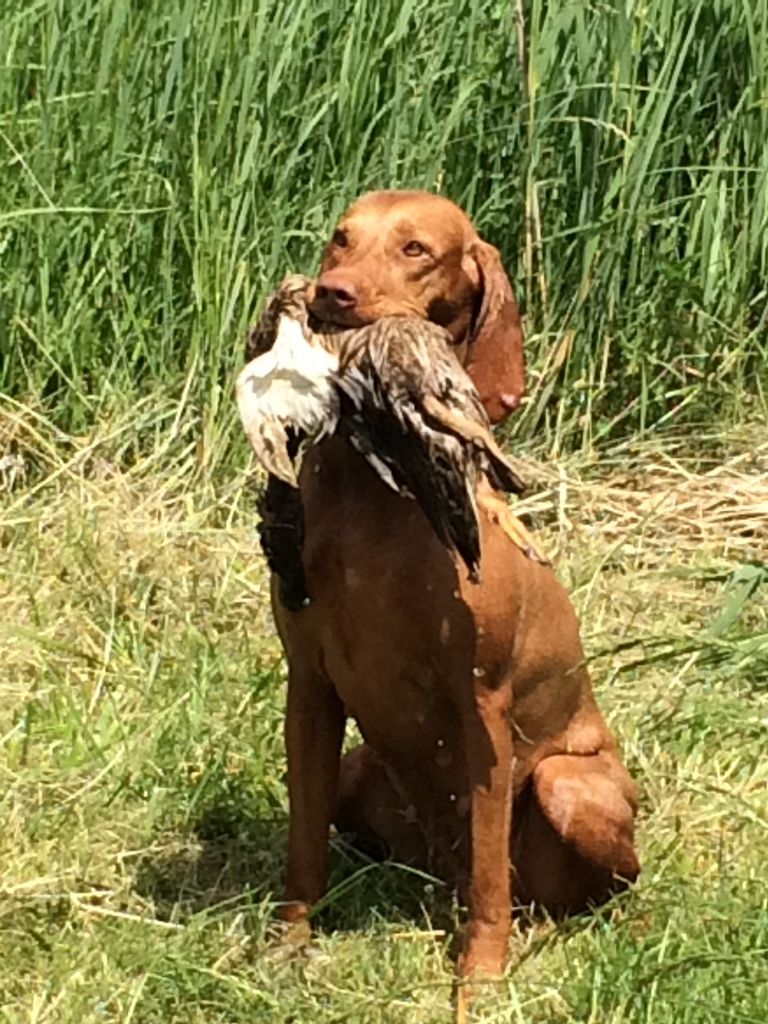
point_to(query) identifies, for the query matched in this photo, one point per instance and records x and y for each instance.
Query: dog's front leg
(488, 741)
(314, 728)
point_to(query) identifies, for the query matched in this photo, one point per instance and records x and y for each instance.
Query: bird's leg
(466, 429)
(499, 512)
(456, 423)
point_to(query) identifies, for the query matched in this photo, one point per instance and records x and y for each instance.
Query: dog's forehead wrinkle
(442, 236)
(414, 211)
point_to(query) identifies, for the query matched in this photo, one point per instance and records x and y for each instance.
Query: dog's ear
(495, 358)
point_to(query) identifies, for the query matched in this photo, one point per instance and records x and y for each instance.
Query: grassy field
(161, 165)
(144, 808)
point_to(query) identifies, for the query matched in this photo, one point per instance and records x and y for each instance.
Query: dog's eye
(414, 248)
(340, 239)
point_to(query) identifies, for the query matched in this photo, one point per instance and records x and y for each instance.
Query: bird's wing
(386, 425)
(448, 381)
(422, 369)
(362, 386)
(416, 359)
(442, 474)
(368, 423)
(360, 441)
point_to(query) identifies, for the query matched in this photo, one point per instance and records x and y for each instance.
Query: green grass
(142, 776)
(161, 166)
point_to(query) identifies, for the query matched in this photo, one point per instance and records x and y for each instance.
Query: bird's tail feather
(501, 474)
(269, 442)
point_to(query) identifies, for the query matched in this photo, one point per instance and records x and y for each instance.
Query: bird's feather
(394, 390)
(499, 470)
(289, 385)
(281, 531)
(385, 425)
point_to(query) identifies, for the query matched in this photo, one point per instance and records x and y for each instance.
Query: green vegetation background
(161, 166)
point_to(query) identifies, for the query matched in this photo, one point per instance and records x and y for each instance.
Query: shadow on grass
(224, 857)
(229, 859)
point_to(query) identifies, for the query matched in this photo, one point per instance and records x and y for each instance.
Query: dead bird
(410, 409)
(396, 391)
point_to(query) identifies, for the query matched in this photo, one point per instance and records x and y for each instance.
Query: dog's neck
(336, 481)
(334, 468)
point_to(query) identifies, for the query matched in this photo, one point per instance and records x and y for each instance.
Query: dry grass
(143, 803)
(649, 495)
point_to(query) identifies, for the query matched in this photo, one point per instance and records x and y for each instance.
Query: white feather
(290, 383)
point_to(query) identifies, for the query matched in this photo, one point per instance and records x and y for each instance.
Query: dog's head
(416, 254)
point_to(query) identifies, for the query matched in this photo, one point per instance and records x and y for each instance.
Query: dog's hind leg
(374, 813)
(573, 836)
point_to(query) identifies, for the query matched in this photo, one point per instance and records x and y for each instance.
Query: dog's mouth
(325, 310)
(338, 318)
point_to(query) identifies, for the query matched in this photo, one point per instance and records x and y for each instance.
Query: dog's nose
(339, 291)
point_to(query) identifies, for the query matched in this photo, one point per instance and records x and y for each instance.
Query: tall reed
(162, 164)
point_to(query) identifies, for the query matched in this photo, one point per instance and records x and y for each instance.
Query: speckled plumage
(286, 392)
(410, 409)
(404, 402)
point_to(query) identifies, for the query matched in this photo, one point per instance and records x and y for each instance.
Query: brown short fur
(485, 755)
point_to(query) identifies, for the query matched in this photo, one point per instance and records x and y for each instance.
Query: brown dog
(484, 748)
